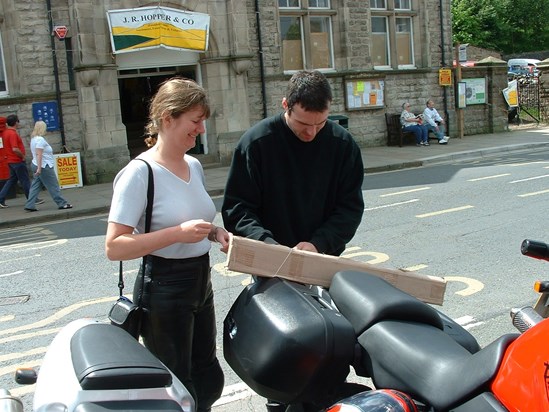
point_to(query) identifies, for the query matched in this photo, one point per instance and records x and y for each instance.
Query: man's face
(304, 124)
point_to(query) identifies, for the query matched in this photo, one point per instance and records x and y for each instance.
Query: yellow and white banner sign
(151, 27)
(68, 169)
(510, 94)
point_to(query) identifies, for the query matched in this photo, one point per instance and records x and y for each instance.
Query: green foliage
(509, 26)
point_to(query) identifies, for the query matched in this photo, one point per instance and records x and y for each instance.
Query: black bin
(341, 119)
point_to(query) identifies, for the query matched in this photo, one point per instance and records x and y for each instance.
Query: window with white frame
(380, 42)
(306, 34)
(378, 4)
(3, 82)
(392, 37)
(403, 5)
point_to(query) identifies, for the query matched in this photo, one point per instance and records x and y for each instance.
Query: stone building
(58, 56)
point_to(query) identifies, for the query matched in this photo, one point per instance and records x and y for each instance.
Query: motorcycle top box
(286, 343)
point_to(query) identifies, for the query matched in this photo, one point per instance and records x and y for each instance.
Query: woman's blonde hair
(40, 128)
(174, 97)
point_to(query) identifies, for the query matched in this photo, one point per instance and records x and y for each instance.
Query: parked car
(522, 67)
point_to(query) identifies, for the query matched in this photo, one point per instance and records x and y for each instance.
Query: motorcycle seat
(143, 405)
(106, 357)
(428, 364)
(365, 299)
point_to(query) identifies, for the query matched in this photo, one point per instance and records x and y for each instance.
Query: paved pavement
(95, 199)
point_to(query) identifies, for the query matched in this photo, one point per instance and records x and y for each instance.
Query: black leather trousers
(179, 323)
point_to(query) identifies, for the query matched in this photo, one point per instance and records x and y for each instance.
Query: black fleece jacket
(291, 191)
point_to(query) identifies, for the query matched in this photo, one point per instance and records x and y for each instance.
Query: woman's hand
(194, 231)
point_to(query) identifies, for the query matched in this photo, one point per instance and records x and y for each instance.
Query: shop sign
(151, 27)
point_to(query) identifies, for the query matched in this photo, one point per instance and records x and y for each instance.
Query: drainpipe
(444, 99)
(56, 76)
(260, 51)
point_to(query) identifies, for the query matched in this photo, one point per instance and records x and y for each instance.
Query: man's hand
(18, 153)
(309, 247)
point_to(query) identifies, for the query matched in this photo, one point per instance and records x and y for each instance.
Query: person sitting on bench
(412, 123)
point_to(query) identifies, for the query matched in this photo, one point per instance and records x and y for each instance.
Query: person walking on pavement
(412, 123)
(15, 153)
(433, 121)
(43, 171)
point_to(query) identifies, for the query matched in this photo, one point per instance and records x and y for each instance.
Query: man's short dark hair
(11, 120)
(310, 89)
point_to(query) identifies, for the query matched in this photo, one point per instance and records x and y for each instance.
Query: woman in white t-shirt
(174, 287)
(43, 171)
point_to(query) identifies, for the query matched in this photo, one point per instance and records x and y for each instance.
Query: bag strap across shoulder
(148, 218)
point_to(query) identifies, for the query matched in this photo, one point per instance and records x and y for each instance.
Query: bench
(395, 133)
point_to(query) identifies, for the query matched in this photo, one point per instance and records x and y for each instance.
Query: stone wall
(245, 83)
(492, 116)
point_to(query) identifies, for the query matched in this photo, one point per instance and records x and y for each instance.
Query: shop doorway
(136, 88)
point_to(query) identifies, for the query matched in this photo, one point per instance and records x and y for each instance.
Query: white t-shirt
(38, 142)
(175, 202)
(432, 116)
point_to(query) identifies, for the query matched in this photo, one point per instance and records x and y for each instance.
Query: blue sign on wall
(47, 112)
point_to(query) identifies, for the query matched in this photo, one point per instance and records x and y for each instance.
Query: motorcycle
(92, 366)
(295, 344)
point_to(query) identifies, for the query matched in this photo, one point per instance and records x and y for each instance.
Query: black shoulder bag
(124, 313)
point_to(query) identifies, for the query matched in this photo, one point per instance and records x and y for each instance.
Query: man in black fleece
(296, 178)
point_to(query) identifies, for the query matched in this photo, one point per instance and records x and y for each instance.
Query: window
(319, 4)
(392, 34)
(3, 83)
(378, 4)
(404, 45)
(403, 5)
(306, 34)
(380, 42)
(288, 3)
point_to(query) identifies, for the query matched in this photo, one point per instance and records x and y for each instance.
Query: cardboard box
(261, 259)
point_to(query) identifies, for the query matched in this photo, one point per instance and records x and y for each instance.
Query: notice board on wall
(48, 113)
(475, 91)
(361, 94)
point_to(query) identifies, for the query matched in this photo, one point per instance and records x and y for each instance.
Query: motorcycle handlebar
(535, 249)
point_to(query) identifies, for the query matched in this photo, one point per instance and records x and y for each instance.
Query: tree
(509, 26)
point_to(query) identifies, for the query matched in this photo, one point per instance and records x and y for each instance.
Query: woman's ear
(166, 119)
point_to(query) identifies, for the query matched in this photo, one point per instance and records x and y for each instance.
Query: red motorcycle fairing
(522, 381)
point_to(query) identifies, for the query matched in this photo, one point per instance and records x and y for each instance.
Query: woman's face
(182, 130)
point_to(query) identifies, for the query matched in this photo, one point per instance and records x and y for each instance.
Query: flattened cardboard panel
(261, 259)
